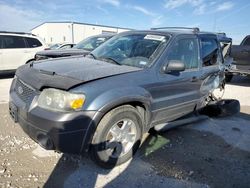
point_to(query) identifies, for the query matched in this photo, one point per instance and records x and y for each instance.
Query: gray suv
(105, 102)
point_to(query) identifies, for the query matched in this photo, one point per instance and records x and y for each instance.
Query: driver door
(177, 93)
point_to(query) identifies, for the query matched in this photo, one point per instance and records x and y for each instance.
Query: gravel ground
(212, 153)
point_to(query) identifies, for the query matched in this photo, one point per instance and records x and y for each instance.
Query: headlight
(58, 100)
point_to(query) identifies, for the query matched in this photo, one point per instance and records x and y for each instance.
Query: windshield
(91, 43)
(55, 46)
(138, 50)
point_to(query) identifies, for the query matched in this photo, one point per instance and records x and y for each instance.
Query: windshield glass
(138, 50)
(55, 46)
(91, 43)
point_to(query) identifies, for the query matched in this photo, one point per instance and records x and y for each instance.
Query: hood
(62, 53)
(65, 73)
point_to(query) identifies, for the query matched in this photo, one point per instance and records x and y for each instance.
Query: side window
(185, 50)
(210, 52)
(13, 42)
(33, 43)
(246, 42)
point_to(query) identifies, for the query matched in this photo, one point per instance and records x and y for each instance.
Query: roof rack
(193, 29)
(20, 33)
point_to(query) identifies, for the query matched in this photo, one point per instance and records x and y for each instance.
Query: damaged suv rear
(104, 103)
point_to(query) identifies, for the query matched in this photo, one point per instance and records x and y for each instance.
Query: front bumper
(64, 132)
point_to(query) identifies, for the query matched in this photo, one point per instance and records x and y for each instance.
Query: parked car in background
(241, 59)
(105, 102)
(17, 48)
(60, 46)
(81, 48)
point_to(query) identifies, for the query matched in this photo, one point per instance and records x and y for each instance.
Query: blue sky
(227, 16)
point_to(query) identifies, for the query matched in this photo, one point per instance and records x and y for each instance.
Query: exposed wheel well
(142, 109)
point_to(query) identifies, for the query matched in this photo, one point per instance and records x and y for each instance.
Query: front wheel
(117, 137)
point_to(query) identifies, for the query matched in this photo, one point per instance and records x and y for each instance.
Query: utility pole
(72, 32)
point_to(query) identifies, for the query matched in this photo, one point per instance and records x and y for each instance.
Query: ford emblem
(20, 90)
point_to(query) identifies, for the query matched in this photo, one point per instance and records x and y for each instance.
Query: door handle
(194, 79)
(26, 51)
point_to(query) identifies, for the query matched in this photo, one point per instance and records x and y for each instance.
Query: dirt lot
(212, 153)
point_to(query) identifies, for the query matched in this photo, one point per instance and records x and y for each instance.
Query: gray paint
(165, 97)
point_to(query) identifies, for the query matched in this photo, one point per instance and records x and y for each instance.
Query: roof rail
(193, 29)
(13, 32)
(221, 34)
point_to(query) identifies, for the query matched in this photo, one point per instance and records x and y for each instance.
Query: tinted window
(33, 43)
(13, 42)
(247, 42)
(209, 51)
(185, 50)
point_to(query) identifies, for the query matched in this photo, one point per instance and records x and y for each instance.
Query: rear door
(13, 52)
(177, 94)
(33, 46)
(212, 60)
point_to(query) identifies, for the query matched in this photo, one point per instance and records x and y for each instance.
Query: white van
(18, 48)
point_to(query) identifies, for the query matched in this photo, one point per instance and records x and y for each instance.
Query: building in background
(71, 32)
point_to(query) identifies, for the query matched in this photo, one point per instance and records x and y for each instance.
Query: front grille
(24, 91)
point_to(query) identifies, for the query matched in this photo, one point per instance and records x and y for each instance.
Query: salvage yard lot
(212, 153)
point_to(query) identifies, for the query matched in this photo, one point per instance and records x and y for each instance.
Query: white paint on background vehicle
(15, 50)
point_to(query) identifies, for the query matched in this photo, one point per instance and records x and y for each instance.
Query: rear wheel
(117, 137)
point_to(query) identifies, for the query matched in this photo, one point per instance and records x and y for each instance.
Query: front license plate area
(13, 112)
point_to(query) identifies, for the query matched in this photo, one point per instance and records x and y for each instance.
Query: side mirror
(174, 66)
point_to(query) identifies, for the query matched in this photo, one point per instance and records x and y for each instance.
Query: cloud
(157, 21)
(198, 5)
(200, 9)
(173, 4)
(102, 9)
(143, 10)
(115, 3)
(17, 19)
(225, 6)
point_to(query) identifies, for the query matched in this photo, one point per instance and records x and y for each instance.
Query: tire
(100, 152)
(222, 108)
(228, 77)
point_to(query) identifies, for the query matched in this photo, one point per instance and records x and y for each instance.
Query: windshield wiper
(108, 59)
